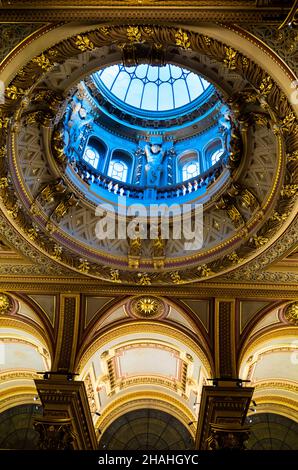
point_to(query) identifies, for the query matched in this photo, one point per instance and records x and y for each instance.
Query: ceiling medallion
(5, 304)
(291, 313)
(147, 307)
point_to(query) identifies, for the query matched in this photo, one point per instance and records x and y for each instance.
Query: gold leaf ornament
(133, 34)
(115, 277)
(13, 92)
(42, 61)
(144, 279)
(266, 85)
(230, 58)
(176, 278)
(83, 43)
(204, 270)
(182, 39)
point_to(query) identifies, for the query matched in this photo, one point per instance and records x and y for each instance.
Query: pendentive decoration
(147, 307)
(291, 313)
(5, 304)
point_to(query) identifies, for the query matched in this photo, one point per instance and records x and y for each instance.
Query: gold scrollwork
(3, 151)
(104, 30)
(40, 117)
(261, 119)
(288, 122)
(248, 199)
(279, 217)
(293, 157)
(158, 247)
(14, 210)
(58, 147)
(231, 210)
(32, 233)
(51, 97)
(4, 122)
(4, 183)
(135, 246)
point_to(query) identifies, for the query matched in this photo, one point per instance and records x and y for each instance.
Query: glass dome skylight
(152, 88)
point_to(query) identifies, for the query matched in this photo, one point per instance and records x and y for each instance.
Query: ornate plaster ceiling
(25, 349)
(269, 361)
(130, 358)
(244, 216)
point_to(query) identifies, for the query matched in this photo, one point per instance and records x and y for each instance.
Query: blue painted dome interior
(147, 132)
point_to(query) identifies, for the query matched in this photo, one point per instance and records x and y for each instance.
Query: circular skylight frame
(184, 109)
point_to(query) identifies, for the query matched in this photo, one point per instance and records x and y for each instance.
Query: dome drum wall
(243, 213)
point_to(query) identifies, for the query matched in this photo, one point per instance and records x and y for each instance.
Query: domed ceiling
(247, 196)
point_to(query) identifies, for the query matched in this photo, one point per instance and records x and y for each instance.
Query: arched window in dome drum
(120, 167)
(95, 153)
(91, 156)
(188, 165)
(118, 170)
(190, 170)
(216, 156)
(213, 151)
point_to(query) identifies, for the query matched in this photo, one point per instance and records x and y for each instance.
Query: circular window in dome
(151, 88)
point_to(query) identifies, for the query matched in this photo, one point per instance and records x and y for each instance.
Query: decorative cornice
(144, 10)
(49, 284)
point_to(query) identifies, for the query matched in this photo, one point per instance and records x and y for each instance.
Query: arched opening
(24, 350)
(132, 360)
(216, 156)
(270, 431)
(188, 165)
(16, 427)
(95, 153)
(213, 151)
(268, 359)
(146, 429)
(121, 166)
